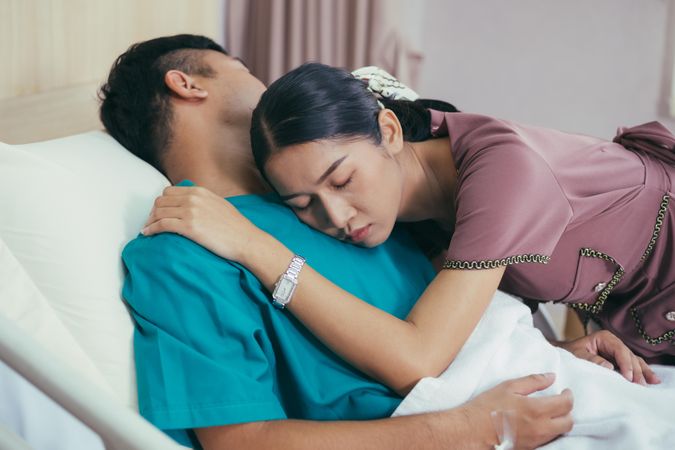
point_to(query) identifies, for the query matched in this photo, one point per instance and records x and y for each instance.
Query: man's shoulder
(267, 212)
(172, 268)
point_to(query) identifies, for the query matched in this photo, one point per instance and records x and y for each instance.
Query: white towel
(609, 412)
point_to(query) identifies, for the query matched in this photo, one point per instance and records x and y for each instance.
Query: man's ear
(391, 131)
(184, 86)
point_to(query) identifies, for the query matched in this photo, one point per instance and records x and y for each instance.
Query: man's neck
(220, 161)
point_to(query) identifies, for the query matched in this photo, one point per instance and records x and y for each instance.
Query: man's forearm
(456, 428)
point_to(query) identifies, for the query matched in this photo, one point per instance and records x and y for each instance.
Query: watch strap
(295, 266)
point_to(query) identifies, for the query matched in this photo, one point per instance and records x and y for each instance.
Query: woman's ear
(183, 85)
(391, 131)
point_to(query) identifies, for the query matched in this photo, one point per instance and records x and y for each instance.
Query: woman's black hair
(316, 102)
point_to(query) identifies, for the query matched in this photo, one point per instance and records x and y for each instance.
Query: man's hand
(536, 421)
(605, 349)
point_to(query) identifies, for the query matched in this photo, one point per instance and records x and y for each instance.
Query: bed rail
(118, 427)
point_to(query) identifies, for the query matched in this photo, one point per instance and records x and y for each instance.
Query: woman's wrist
(266, 257)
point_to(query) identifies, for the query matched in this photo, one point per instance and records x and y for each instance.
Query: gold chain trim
(494, 263)
(668, 335)
(657, 226)
(596, 307)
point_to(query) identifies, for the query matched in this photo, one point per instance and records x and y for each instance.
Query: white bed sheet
(609, 412)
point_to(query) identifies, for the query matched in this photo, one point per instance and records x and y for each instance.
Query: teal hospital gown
(210, 349)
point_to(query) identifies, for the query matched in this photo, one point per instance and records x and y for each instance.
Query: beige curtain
(274, 36)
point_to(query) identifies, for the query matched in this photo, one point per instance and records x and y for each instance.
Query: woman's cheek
(309, 218)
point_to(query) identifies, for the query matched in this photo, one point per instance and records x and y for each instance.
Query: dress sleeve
(202, 355)
(510, 209)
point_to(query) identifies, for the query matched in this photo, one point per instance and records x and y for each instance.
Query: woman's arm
(396, 352)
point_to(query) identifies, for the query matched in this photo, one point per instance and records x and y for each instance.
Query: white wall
(577, 65)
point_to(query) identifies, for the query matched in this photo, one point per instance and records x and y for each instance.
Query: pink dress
(576, 219)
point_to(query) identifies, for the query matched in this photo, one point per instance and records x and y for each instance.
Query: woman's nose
(338, 214)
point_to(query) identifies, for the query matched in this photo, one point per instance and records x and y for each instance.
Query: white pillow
(22, 302)
(68, 208)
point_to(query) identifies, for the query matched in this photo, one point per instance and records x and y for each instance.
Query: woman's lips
(360, 234)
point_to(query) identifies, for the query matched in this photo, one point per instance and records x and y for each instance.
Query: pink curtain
(275, 36)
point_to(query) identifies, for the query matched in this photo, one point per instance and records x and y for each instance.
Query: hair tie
(384, 85)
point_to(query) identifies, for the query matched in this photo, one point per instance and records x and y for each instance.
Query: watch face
(284, 289)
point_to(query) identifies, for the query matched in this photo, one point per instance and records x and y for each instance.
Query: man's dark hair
(135, 107)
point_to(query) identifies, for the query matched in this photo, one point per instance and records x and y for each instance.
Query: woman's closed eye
(301, 207)
(340, 186)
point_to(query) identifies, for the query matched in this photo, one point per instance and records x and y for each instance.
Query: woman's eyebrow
(325, 175)
(330, 170)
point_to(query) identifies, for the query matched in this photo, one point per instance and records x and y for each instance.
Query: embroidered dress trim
(494, 263)
(596, 307)
(657, 228)
(667, 336)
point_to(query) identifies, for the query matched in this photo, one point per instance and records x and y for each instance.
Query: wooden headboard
(56, 53)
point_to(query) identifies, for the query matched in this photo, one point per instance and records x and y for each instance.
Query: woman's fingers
(625, 363)
(174, 204)
(612, 347)
(182, 190)
(194, 191)
(631, 366)
(638, 377)
(179, 196)
(648, 373)
(599, 360)
(167, 225)
(171, 200)
(607, 350)
(594, 358)
(168, 212)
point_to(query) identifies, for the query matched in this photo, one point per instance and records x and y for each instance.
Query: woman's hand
(605, 349)
(200, 215)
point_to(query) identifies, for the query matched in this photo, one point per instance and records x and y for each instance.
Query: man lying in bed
(217, 364)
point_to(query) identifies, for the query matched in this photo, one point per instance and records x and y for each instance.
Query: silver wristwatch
(288, 281)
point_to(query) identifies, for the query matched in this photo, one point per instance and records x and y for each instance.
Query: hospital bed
(67, 207)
